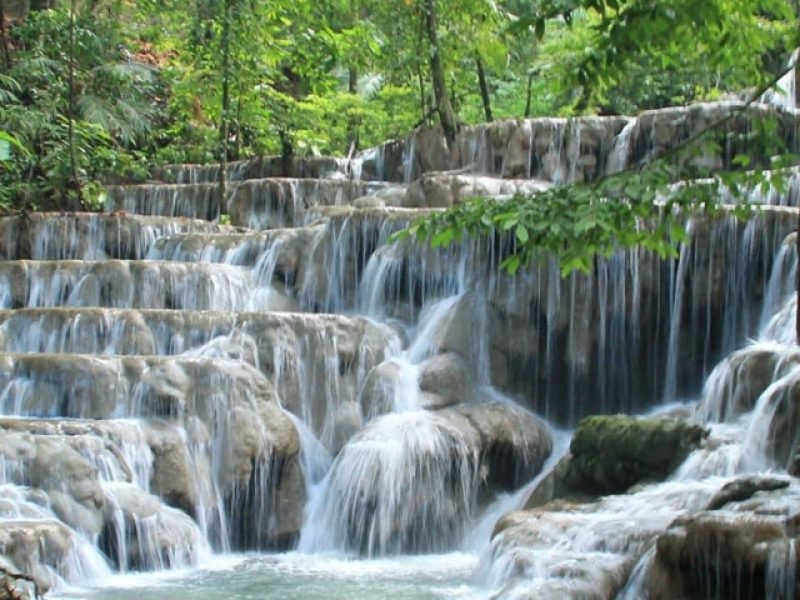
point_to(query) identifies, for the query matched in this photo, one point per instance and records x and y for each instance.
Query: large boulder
(50, 464)
(609, 454)
(737, 382)
(411, 481)
(176, 477)
(612, 453)
(439, 382)
(142, 533)
(220, 435)
(44, 550)
(514, 444)
(763, 375)
(446, 379)
(265, 489)
(377, 394)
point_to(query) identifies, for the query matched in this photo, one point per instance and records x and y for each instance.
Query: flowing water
(292, 408)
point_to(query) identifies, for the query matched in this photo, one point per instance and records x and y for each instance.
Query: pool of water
(298, 576)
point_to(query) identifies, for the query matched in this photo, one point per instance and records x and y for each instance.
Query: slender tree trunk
(420, 76)
(528, 95)
(487, 103)
(237, 153)
(352, 88)
(447, 117)
(352, 72)
(226, 104)
(73, 167)
(4, 37)
(422, 107)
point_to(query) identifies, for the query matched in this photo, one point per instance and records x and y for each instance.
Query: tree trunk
(226, 103)
(422, 105)
(528, 96)
(447, 117)
(352, 88)
(487, 103)
(4, 38)
(45, 4)
(75, 182)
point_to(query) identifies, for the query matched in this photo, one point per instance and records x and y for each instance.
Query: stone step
(561, 150)
(196, 201)
(125, 284)
(268, 203)
(90, 236)
(261, 167)
(102, 387)
(316, 362)
(290, 246)
(255, 203)
(558, 150)
(98, 474)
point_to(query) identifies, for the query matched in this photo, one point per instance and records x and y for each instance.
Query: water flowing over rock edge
(314, 404)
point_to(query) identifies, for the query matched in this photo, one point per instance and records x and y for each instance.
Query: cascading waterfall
(173, 388)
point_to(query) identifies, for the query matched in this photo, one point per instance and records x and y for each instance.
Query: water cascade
(360, 418)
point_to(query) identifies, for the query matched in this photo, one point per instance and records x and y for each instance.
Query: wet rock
(763, 377)
(344, 421)
(16, 586)
(573, 550)
(748, 551)
(742, 377)
(448, 377)
(142, 533)
(405, 483)
(611, 453)
(745, 488)
(553, 486)
(194, 201)
(270, 203)
(89, 236)
(176, 477)
(263, 474)
(409, 480)
(460, 331)
(443, 190)
(125, 284)
(514, 444)
(40, 549)
(377, 395)
(50, 464)
(260, 167)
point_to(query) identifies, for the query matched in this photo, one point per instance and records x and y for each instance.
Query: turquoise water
(295, 576)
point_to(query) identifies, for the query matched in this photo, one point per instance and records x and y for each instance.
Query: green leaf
(9, 140)
(522, 234)
(443, 238)
(512, 264)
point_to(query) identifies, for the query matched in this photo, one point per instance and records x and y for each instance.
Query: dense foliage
(645, 54)
(92, 90)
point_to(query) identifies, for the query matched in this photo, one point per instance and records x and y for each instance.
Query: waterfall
(784, 93)
(293, 387)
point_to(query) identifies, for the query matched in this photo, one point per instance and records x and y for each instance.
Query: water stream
(194, 410)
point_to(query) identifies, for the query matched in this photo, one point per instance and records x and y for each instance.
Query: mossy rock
(612, 453)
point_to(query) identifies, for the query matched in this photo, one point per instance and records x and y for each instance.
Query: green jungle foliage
(94, 91)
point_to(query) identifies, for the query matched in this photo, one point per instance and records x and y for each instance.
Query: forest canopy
(99, 90)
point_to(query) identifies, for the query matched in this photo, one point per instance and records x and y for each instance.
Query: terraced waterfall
(287, 406)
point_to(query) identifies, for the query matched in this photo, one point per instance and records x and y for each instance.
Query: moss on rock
(610, 453)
